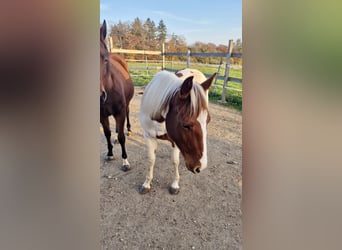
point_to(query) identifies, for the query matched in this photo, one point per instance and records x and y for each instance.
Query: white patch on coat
(158, 92)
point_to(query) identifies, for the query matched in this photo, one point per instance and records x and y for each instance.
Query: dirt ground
(206, 214)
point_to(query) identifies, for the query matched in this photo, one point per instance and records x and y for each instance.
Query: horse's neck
(114, 58)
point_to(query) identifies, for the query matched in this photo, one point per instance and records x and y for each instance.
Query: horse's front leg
(151, 144)
(106, 129)
(120, 121)
(174, 188)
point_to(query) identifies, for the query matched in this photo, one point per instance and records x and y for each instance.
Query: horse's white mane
(160, 91)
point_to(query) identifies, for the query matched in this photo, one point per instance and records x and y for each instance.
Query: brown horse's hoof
(173, 190)
(109, 158)
(129, 133)
(125, 168)
(143, 190)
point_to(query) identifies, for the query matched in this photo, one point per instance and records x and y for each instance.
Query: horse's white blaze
(202, 119)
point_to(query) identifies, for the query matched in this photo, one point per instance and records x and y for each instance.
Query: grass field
(142, 77)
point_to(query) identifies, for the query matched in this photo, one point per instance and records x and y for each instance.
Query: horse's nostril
(197, 170)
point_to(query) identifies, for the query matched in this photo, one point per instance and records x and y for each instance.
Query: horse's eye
(187, 126)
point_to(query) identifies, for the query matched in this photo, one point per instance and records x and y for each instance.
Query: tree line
(147, 35)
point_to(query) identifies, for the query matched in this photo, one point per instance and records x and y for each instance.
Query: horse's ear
(103, 30)
(186, 87)
(207, 83)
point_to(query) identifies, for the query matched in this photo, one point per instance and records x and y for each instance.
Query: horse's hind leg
(128, 123)
(120, 120)
(105, 125)
(151, 149)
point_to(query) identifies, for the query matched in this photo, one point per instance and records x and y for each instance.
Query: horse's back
(122, 74)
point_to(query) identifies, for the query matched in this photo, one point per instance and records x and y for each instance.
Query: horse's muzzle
(197, 170)
(194, 170)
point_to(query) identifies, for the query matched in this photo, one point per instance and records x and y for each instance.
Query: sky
(214, 21)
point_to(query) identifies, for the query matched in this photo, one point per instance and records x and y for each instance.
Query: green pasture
(233, 96)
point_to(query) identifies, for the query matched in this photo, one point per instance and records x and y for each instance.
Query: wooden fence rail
(188, 55)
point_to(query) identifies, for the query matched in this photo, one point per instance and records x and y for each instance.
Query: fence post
(163, 53)
(110, 43)
(226, 72)
(218, 72)
(188, 59)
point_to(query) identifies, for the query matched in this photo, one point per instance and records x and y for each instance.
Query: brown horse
(176, 109)
(116, 92)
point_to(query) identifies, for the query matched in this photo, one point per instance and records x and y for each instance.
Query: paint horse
(116, 92)
(176, 110)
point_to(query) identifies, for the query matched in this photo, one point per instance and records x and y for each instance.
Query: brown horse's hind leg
(105, 125)
(128, 123)
(120, 120)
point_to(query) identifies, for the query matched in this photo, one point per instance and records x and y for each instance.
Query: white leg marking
(202, 119)
(175, 162)
(125, 162)
(151, 151)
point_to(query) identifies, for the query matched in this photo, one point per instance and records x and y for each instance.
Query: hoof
(143, 190)
(129, 133)
(173, 190)
(116, 141)
(109, 158)
(125, 168)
